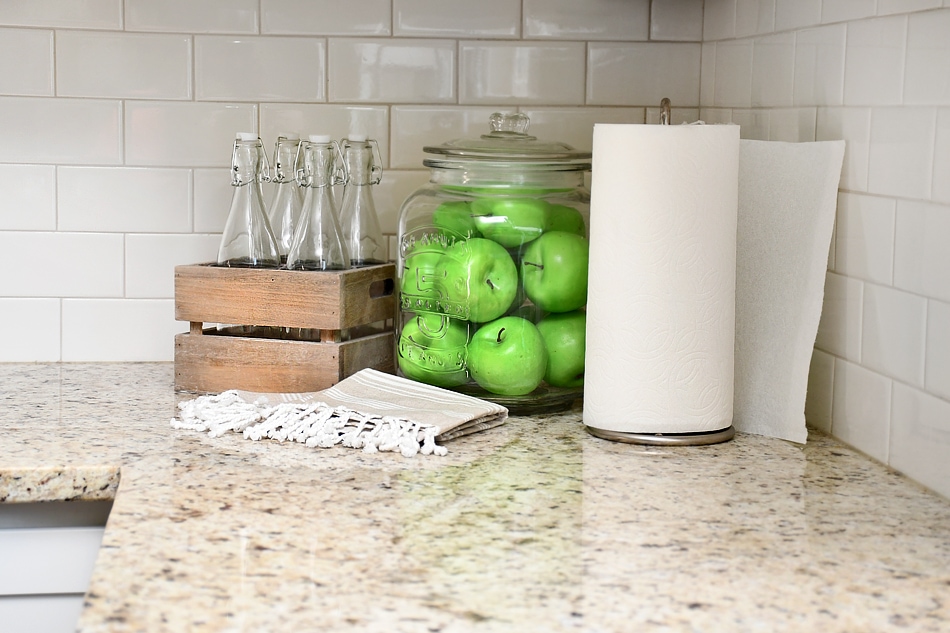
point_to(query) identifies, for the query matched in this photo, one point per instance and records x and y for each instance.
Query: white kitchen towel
(370, 410)
(787, 200)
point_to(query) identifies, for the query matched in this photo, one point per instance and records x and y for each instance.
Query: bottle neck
(284, 156)
(246, 163)
(362, 166)
(318, 165)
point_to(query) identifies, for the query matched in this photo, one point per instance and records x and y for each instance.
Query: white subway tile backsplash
(887, 7)
(921, 255)
(188, 16)
(719, 20)
(212, 199)
(819, 66)
(773, 70)
(819, 398)
(28, 202)
(792, 125)
(893, 333)
(392, 71)
(414, 127)
(753, 124)
(927, 70)
(864, 246)
(62, 264)
(937, 369)
(920, 437)
(839, 331)
(844, 10)
(902, 149)
(26, 62)
(754, 17)
(590, 20)
(457, 18)
(124, 199)
(77, 131)
(130, 65)
(337, 121)
(390, 194)
(326, 17)
(733, 87)
(643, 74)
(861, 410)
(874, 61)
(36, 324)
(707, 73)
(231, 68)
(676, 20)
(77, 14)
(131, 330)
(854, 126)
(575, 126)
(171, 134)
(150, 261)
(715, 115)
(529, 73)
(796, 14)
(941, 175)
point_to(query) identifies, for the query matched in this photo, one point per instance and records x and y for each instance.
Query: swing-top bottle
(287, 198)
(358, 219)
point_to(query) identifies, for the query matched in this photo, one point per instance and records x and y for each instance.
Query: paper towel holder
(701, 438)
(665, 113)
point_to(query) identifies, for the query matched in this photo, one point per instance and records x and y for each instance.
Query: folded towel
(370, 410)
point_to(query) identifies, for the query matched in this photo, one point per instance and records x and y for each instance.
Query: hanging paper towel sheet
(672, 347)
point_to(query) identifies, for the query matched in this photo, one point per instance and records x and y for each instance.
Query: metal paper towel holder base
(666, 439)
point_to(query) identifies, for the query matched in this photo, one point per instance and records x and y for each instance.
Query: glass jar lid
(508, 142)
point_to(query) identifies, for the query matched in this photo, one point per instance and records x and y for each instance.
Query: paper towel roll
(661, 302)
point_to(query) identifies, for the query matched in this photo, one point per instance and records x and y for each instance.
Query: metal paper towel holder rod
(665, 114)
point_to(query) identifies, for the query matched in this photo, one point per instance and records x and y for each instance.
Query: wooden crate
(273, 317)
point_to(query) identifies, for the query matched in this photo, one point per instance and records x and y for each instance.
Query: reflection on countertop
(533, 526)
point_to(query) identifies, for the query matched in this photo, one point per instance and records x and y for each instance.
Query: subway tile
(852, 125)
(927, 67)
(888, 7)
(643, 74)
(392, 71)
(124, 330)
(719, 20)
(937, 366)
(391, 193)
(212, 200)
(337, 121)
(819, 397)
(874, 61)
(524, 73)
(124, 199)
(707, 73)
(715, 115)
(36, 324)
(414, 127)
(150, 261)
(819, 66)
(773, 70)
(75, 14)
(893, 333)
(72, 131)
(188, 16)
(139, 65)
(457, 18)
(941, 175)
(839, 331)
(326, 17)
(920, 438)
(28, 202)
(754, 17)
(845, 10)
(864, 246)
(575, 126)
(26, 62)
(676, 20)
(861, 409)
(796, 14)
(184, 134)
(753, 124)
(589, 20)
(733, 74)
(63, 264)
(677, 116)
(792, 125)
(900, 161)
(921, 256)
(259, 68)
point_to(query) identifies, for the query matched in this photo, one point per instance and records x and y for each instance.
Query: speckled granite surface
(534, 526)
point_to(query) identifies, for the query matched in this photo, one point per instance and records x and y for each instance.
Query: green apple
(565, 336)
(432, 349)
(507, 356)
(454, 218)
(510, 221)
(564, 218)
(419, 269)
(477, 279)
(554, 271)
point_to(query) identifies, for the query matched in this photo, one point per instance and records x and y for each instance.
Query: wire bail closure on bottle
(279, 174)
(338, 173)
(263, 175)
(376, 171)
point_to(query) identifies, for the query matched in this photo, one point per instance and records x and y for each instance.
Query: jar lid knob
(511, 126)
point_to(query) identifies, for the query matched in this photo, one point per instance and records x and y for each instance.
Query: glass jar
(492, 270)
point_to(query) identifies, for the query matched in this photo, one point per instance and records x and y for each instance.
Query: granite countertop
(533, 526)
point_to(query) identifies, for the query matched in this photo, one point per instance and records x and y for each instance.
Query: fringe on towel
(314, 424)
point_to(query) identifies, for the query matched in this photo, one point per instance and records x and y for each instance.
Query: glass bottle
(287, 200)
(247, 240)
(358, 219)
(318, 242)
